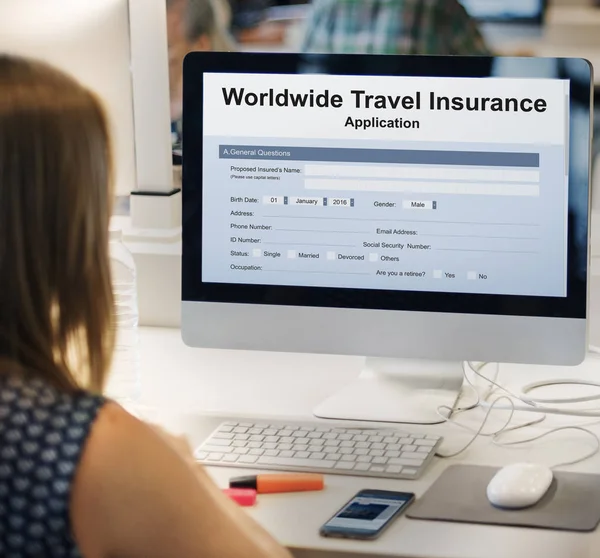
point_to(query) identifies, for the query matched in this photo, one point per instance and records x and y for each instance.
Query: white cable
(478, 432)
(506, 428)
(554, 431)
(594, 350)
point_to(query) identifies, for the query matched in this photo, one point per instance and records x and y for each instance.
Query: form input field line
(402, 221)
(441, 188)
(416, 172)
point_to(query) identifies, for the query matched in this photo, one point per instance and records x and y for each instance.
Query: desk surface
(190, 390)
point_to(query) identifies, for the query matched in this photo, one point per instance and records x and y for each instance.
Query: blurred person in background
(392, 27)
(250, 23)
(193, 25)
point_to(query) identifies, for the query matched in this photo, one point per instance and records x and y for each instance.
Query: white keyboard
(369, 452)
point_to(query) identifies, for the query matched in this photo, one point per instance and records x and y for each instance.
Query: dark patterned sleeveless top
(42, 434)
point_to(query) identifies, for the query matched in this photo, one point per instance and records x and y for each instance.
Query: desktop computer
(419, 211)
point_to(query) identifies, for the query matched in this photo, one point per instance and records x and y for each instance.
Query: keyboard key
(272, 452)
(332, 443)
(360, 438)
(287, 439)
(405, 462)
(314, 434)
(346, 465)
(333, 456)
(362, 445)
(246, 424)
(214, 456)
(364, 459)
(348, 457)
(329, 436)
(347, 444)
(377, 469)
(201, 455)
(379, 460)
(270, 432)
(417, 436)
(241, 451)
(254, 445)
(316, 442)
(304, 454)
(256, 438)
(256, 452)
(346, 451)
(286, 432)
(225, 436)
(291, 462)
(219, 442)
(226, 428)
(390, 440)
(248, 459)
(239, 444)
(217, 449)
(426, 442)
(394, 447)
(424, 449)
(376, 453)
(255, 431)
(315, 455)
(392, 454)
(406, 441)
(394, 469)
(410, 472)
(231, 458)
(284, 447)
(286, 453)
(436, 438)
(299, 434)
(344, 437)
(375, 439)
(304, 447)
(269, 445)
(379, 446)
(410, 448)
(362, 467)
(413, 455)
(240, 430)
(361, 451)
(314, 448)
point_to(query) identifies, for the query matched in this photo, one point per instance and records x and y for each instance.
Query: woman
(78, 475)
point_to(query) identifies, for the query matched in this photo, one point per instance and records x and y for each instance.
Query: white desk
(182, 383)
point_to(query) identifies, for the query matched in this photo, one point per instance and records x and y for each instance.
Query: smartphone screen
(367, 514)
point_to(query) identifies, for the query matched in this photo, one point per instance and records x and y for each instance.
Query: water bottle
(124, 382)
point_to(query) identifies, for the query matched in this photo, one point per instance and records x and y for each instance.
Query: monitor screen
(405, 190)
(506, 10)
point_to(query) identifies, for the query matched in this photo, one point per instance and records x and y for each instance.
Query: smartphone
(367, 514)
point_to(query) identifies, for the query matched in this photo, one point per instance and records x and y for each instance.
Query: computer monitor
(420, 211)
(509, 11)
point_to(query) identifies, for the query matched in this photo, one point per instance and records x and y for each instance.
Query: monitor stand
(397, 390)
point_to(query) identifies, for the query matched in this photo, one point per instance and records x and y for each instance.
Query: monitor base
(398, 391)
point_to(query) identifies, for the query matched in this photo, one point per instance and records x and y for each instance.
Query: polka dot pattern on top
(42, 434)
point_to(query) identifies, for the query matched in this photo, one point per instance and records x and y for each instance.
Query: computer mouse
(520, 485)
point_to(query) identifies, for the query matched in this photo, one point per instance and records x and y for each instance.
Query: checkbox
(373, 257)
(256, 253)
(472, 275)
(331, 255)
(437, 273)
(291, 254)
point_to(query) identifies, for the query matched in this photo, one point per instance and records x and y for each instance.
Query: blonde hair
(56, 302)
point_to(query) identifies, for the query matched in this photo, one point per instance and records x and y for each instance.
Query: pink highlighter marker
(243, 496)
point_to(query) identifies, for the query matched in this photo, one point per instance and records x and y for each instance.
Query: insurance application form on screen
(392, 183)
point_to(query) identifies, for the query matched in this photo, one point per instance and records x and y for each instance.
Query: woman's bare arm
(135, 495)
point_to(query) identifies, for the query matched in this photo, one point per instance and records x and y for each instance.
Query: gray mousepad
(571, 504)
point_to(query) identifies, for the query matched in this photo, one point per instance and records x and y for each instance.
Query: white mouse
(519, 485)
